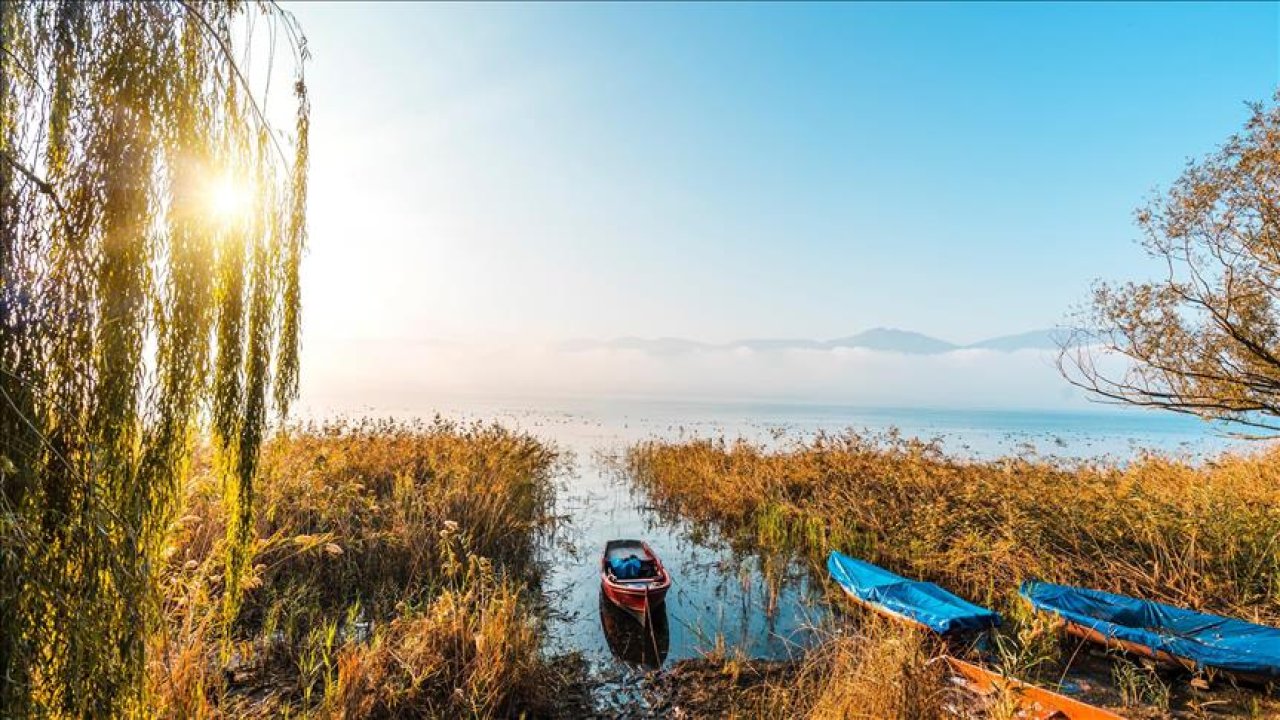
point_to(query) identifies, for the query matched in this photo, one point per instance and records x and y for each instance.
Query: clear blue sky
(723, 171)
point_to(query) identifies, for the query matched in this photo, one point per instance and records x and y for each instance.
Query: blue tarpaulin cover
(1207, 640)
(922, 602)
(626, 568)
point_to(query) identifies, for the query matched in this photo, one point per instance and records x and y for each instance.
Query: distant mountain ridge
(1033, 340)
(881, 338)
(894, 340)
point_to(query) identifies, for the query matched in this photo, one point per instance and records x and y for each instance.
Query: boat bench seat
(638, 581)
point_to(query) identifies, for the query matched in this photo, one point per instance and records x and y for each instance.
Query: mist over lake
(408, 373)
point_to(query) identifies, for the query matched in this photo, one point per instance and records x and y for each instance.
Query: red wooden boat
(647, 584)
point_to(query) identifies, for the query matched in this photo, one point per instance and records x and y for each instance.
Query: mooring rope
(648, 623)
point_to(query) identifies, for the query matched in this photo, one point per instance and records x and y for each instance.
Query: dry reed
(392, 575)
(1205, 535)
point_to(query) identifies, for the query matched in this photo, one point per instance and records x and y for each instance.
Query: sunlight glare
(229, 199)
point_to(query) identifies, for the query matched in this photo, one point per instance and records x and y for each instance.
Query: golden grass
(472, 652)
(883, 671)
(1203, 536)
(1199, 536)
(391, 576)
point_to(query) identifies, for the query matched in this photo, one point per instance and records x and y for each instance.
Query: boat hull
(1160, 656)
(1088, 633)
(1035, 702)
(1190, 639)
(883, 611)
(636, 600)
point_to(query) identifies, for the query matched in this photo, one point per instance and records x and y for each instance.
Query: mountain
(879, 339)
(1034, 340)
(893, 340)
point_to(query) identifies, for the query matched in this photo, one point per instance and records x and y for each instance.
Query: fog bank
(381, 373)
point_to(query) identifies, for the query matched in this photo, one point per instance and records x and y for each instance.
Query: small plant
(1029, 646)
(316, 662)
(1139, 685)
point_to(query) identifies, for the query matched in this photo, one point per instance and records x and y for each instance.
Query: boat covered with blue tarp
(1194, 639)
(920, 602)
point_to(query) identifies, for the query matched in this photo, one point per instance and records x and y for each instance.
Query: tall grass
(1205, 536)
(883, 671)
(472, 652)
(392, 574)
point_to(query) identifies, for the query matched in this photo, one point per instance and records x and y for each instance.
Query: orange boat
(1036, 702)
(632, 576)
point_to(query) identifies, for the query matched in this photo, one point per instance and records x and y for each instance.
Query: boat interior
(620, 550)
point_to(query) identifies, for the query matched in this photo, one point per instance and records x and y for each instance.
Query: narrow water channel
(716, 599)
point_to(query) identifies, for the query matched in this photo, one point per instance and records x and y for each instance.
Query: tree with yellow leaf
(151, 228)
(1203, 338)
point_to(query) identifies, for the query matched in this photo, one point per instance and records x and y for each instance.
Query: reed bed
(394, 575)
(1203, 535)
(882, 671)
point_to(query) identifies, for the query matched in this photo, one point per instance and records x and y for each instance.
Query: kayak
(632, 577)
(918, 603)
(1035, 702)
(1169, 634)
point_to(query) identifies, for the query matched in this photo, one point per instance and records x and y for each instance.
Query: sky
(502, 173)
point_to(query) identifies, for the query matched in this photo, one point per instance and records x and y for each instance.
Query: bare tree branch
(1205, 339)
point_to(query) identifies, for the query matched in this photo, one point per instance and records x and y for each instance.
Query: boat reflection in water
(630, 640)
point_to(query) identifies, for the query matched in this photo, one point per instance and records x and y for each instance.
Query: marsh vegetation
(1195, 535)
(393, 574)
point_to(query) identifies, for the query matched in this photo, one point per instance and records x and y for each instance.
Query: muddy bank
(707, 688)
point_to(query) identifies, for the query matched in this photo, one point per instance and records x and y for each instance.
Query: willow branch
(235, 68)
(41, 184)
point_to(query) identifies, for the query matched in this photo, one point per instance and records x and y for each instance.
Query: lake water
(717, 598)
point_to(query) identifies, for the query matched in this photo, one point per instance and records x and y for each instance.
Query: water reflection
(630, 640)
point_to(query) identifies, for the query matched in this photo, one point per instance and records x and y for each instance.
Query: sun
(228, 198)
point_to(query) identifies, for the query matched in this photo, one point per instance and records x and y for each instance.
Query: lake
(717, 598)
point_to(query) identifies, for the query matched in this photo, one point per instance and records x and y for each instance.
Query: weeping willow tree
(151, 227)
